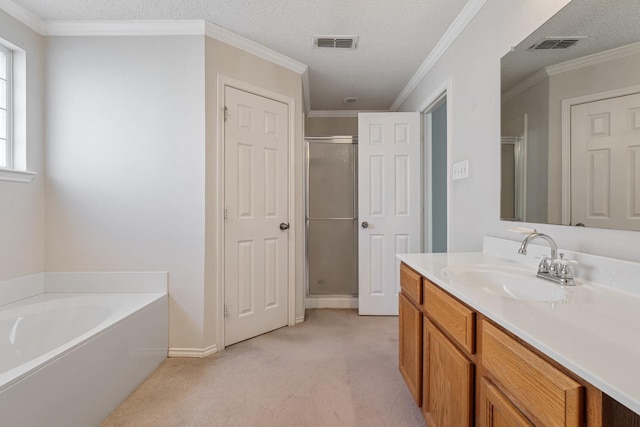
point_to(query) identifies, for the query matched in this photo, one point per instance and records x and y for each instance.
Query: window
(6, 143)
(13, 114)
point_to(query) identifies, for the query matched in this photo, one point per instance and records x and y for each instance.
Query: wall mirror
(570, 119)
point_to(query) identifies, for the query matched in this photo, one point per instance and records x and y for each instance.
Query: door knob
(284, 226)
(365, 224)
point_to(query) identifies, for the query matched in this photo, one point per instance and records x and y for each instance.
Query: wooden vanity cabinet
(467, 371)
(410, 330)
(448, 366)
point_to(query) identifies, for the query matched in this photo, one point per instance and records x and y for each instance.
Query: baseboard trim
(331, 302)
(192, 352)
(299, 319)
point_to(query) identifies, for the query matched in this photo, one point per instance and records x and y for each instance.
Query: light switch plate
(461, 170)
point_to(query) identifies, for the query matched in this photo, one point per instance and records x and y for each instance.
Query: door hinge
(225, 213)
(226, 312)
(226, 113)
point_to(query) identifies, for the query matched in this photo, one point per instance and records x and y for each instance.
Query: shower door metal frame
(331, 140)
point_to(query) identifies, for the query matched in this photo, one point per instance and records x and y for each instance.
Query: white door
(388, 205)
(256, 208)
(605, 163)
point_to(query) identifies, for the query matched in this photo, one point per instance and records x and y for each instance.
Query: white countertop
(595, 333)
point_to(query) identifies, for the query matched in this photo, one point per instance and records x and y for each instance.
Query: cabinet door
(447, 381)
(496, 410)
(410, 337)
(548, 396)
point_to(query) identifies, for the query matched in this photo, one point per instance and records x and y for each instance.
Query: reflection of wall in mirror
(542, 103)
(602, 77)
(534, 102)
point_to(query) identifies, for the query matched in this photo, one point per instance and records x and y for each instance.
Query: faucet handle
(543, 267)
(566, 273)
(567, 262)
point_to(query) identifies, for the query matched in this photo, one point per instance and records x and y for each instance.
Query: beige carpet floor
(334, 369)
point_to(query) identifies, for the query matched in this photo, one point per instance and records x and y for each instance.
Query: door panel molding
(223, 82)
(389, 205)
(567, 104)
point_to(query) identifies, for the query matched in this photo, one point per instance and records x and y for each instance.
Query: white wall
(131, 136)
(331, 126)
(22, 205)
(534, 102)
(126, 164)
(229, 61)
(473, 63)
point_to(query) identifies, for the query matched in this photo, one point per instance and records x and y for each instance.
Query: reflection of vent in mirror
(549, 43)
(336, 42)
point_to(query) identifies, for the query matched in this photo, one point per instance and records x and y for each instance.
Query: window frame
(16, 69)
(9, 106)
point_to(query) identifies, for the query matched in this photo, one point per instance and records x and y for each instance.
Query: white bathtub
(70, 359)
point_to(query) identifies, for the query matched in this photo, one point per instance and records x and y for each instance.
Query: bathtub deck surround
(589, 330)
(78, 354)
(83, 282)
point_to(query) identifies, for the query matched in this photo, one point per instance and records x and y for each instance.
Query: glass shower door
(332, 252)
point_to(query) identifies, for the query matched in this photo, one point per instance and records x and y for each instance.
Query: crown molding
(455, 29)
(572, 65)
(23, 15)
(159, 28)
(339, 113)
(527, 83)
(594, 59)
(125, 28)
(233, 39)
(151, 28)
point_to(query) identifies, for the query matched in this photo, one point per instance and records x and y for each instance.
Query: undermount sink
(506, 281)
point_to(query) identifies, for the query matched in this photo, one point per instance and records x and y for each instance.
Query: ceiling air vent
(549, 43)
(336, 42)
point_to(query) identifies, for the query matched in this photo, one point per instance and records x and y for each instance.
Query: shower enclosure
(331, 217)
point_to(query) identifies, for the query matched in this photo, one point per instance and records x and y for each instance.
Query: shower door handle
(365, 224)
(284, 226)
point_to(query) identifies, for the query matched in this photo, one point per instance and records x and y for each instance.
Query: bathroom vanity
(483, 344)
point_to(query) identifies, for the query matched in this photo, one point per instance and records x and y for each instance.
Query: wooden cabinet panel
(411, 284)
(410, 337)
(454, 317)
(495, 410)
(545, 394)
(447, 381)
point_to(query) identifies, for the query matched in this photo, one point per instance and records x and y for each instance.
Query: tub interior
(28, 333)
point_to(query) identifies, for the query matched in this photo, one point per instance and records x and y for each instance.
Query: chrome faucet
(533, 236)
(552, 269)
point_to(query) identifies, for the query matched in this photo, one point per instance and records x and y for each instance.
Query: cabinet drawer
(548, 396)
(411, 284)
(452, 316)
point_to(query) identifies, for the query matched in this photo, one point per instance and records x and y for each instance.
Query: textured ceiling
(395, 36)
(607, 24)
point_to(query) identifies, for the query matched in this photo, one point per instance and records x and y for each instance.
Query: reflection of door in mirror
(514, 170)
(605, 148)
